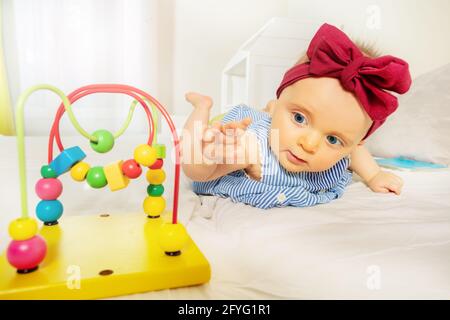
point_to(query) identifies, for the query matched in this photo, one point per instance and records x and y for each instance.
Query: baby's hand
(385, 182)
(222, 142)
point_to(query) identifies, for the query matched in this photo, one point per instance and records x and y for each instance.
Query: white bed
(364, 245)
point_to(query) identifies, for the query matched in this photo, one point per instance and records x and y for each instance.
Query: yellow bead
(154, 206)
(115, 177)
(145, 155)
(79, 171)
(23, 228)
(172, 238)
(156, 176)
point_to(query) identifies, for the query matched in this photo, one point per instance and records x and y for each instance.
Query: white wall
(190, 41)
(70, 44)
(415, 30)
(207, 33)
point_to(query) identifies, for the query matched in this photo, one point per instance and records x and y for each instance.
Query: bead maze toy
(84, 257)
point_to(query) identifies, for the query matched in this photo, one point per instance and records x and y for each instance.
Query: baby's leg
(192, 139)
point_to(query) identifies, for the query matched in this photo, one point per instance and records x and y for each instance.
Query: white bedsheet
(364, 245)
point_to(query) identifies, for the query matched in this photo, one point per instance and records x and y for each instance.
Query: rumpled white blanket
(364, 245)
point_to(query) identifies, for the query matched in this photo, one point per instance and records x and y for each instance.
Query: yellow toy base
(101, 256)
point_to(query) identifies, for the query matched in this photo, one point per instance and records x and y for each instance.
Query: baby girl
(302, 148)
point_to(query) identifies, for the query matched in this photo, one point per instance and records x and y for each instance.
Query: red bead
(48, 188)
(27, 254)
(131, 169)
(157, 165)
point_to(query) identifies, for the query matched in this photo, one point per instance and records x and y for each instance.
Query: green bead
(155, 190)
(96, 177)
(160, 151)
(48, 172)
(105, 141)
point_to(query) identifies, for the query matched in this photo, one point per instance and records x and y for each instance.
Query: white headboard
(255, 71)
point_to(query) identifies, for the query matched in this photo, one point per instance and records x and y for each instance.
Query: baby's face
(318, 124)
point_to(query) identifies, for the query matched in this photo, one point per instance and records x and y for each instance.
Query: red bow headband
(332, 54)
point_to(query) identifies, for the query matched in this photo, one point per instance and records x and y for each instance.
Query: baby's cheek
(323, 162)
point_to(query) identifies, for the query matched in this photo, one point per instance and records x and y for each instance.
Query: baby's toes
(198, 100)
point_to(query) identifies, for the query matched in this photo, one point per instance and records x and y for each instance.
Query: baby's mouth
(294, 159)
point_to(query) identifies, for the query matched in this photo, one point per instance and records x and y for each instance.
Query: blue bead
(49, 210)
(66, 159)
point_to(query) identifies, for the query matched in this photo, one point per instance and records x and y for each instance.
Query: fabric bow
(332, 54)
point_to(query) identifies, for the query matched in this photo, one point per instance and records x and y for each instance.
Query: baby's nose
(310, 141)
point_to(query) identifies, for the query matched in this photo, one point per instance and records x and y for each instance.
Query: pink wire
(117, 88)
(74, 96)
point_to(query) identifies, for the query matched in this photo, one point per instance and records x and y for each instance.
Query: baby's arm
(376, 179)
(204, 149)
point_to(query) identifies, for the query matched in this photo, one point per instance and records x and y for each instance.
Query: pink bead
(26, 254)
(48, 188)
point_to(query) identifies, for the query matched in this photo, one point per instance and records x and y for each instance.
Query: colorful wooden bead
(23, 229)
(158, 164)
(79, 171)
(114, 176)
(48, 172)
(26, 255)
(48, 188)
(160, 150)
(96, 178)
(145, 155)
(154, 206)
(49, 211)
(172, 238)
(66, 159)
(131, 169)
(156, 176)
(105, 141)
(155, 190)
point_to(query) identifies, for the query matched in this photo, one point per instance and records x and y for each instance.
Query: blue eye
(333, 140)
(298, 117)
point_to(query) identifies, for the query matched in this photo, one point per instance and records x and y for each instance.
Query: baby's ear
(361, 142)
(270, 107)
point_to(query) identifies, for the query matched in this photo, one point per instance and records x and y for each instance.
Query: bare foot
(198, 100)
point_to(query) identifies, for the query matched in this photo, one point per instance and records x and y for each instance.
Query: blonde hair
(368, 49)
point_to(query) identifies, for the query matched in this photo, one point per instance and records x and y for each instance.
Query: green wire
(155, 115)
(127, 121)
(21, 136)
(20, 127)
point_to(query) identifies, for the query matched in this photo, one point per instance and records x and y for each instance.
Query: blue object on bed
(406, 163)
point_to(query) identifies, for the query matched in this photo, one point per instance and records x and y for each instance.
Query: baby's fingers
(212, 132)
(395, 186)
(244, 123)
(387, 187)
(234, 125)
(380, 189)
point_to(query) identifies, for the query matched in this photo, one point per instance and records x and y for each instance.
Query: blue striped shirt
(277, 187)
